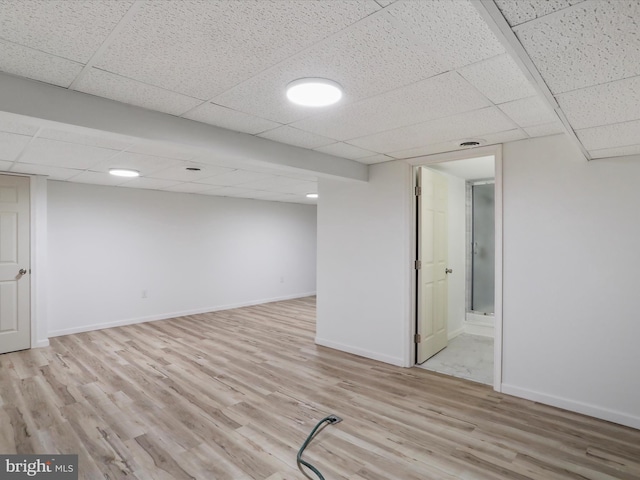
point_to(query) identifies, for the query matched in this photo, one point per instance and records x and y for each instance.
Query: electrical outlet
(144, 293)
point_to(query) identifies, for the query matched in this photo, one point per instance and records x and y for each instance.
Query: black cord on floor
(330, 420)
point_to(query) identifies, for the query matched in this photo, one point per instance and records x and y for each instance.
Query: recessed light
(124, 172)
(314, 92)
(312, 195)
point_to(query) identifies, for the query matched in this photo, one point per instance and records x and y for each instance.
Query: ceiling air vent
(193, 169)
(470, 143)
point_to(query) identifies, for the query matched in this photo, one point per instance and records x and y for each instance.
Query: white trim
(165, 316)
(496, 151)
(574, 406)
(399, 362)
(479, 329)
(455, 333)
(497, 314)
(38, 246)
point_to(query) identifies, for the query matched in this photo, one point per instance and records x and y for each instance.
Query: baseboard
(455, 333)
(165, 316)
(41, 343)
(478, 329)
(360, 352)
(574, 406)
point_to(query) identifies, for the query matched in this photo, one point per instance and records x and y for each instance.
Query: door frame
(496, 151)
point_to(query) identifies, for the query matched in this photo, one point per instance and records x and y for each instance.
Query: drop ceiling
(418, 77)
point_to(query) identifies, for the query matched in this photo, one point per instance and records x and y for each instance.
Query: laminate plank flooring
(232, 395)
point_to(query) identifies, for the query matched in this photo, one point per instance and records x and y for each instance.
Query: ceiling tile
(499, 79)
(29, 63)
(148, 183)
(529, 111)
(436, 97)
(236, 177)
(97, 178)
(465, 125)
(54, 173)
(42, 151)
(345, 150)
(544, 129)
(521, 11)
(189, 188)
(228, 41)
(70, 29)
(587, 44)
(115, 87)
(297, 188)
(491, 139)
(4, 166)
(11, 145)
(94, 139)
(375, 159)
(19, 126)
(610, 136)
(166, 150)
(369, 58)
(294, 136)
(274, 182)
(227, 192)
(453, 33)
(612, 102)
(615, 152)
(232, 119)
(145, 164)
(180, 172)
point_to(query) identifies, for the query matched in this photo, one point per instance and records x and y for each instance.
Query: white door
(432, 257)
(15, 319)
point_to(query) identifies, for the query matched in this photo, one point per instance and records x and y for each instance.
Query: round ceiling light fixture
(312, 195)
(124, 172)
(314, 92)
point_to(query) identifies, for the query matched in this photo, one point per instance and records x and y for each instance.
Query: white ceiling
(479, 168)
(418, 76)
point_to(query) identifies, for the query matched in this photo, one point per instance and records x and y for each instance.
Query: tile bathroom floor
(466, 356)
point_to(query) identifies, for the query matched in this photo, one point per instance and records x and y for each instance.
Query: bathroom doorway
(471, 283)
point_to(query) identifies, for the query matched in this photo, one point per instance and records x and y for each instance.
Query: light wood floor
(233, 394)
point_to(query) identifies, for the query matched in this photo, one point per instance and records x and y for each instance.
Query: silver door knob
(448, 270)
(22, 271)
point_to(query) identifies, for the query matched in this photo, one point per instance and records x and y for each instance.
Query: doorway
(15, 317)
(473, 347)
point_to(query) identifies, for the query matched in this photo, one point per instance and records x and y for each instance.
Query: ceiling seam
(126, 18)
(505, 34)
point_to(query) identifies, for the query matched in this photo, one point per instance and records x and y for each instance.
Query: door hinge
(417, 338)
(418, 191)
(417, 264)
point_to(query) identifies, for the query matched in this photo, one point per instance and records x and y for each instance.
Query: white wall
(191, 253)
(571, 263)
(364, 251)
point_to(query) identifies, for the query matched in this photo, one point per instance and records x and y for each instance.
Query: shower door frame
(469, 245)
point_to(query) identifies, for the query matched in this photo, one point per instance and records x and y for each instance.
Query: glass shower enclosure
(482, 251)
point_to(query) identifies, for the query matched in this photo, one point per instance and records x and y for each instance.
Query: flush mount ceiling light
(314, 92)
(124, 172)
(312, 195)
